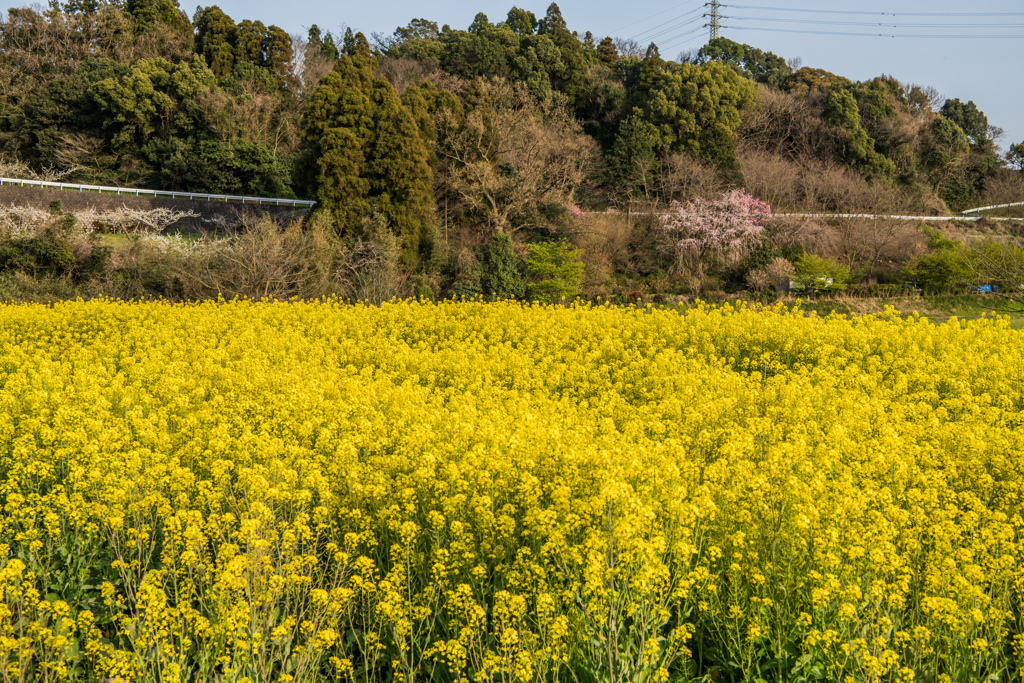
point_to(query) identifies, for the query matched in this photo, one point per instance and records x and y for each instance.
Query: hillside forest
(512, 158)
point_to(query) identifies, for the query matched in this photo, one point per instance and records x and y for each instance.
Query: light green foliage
(841, 110)
(821, 274)
(555, 271)
(944, 271)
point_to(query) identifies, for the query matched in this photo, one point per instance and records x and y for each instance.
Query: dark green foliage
(364, 155)
(502, 276)
(48, 255)
(123, 91)
(348, 43)
(970, 119)
(569, 70)
(634, 157)
(323, 43)
(226, 46)
(232, 167)
(216, 37)
(1015, 156)
(419, 40)
(947, 142)
(607, 52)
(695, 108)
(759, 66)
(151, 14)
(550, 59)
(522, 21)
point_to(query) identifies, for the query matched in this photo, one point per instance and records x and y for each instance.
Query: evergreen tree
(149, 14)
(695, 108)
(607, 52)
(568, 74)
(363, 153)
(348, 43)
(322, 43)
(216, 36)
(859, 149)
(401, 181)
(521, 21)
(970, 119)
(249, 38)
(502, 276)
(1015, 156)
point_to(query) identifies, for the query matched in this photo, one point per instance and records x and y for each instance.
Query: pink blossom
(577, 212)
(725, 227)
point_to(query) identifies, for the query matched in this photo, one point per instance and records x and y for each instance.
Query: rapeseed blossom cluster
(481, 492)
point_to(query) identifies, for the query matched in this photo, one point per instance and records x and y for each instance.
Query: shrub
(502, 277)
(555, 270)
(821, 274)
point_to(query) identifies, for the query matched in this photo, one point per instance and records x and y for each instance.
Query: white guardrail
(872, 216)
(133, 192)
(989, 208)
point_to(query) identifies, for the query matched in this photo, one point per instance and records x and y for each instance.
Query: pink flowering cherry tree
(704, 232)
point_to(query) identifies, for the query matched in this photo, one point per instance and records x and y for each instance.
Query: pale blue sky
(985, 69)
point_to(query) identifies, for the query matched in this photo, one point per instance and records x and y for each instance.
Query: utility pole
(716, 18)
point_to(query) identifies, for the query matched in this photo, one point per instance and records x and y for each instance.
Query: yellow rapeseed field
(501, 493)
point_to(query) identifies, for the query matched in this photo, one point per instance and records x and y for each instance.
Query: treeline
(445, 138)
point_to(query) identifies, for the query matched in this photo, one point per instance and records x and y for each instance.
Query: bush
(502, 277)
(820, 274)
(47, 255)
(555, 270)
(944, 271)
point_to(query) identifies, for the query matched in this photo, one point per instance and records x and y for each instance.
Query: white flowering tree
(706, 232)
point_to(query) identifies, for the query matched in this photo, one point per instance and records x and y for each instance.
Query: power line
(886, 14)
(676, 42)
(640, 21)
(640, 35)
(674, 28)
(870, 35)
(873, 23)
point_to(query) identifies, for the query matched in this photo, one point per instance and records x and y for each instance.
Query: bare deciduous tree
(510, 160)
